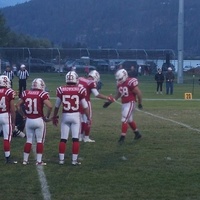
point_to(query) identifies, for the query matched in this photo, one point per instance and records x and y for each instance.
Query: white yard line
(43, 181)
(170, 120)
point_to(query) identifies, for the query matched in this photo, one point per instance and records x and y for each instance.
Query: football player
(70, 96)
(129, 92)
(90, 83)
(34, 101)
(7, 114)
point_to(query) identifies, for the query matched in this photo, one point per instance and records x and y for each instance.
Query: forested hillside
(142, 24)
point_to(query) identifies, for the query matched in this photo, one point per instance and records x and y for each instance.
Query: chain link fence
(55, 59)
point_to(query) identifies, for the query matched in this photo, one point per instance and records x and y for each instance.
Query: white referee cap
(22, 66)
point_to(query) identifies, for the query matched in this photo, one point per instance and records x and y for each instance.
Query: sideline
(170, 120)
(43, 181)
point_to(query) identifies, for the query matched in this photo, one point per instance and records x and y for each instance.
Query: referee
(22, 75)
(9, 73)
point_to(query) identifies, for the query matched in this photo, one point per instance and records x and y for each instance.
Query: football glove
(140, 106)
(106, 104)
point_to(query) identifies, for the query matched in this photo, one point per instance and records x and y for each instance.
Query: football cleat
(61, 162)
(25, 162)
(88, 140)
(137, 135)
(76, 162)
(10, 161)
(41, 163)
(121, 139)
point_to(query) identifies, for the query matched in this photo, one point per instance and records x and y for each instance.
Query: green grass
(163, 165)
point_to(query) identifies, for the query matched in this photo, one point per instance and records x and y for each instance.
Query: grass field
(163, 165)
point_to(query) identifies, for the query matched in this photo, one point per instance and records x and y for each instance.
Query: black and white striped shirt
(23, 74)
(9, 74)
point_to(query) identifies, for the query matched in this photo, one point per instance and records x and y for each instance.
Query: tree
(3, 31)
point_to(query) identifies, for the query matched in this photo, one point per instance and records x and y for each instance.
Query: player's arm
(48, 104)
(12, 112)
(117, 95)
(86, 109)
(101, 96)
(55, 112)
(19, 108)
(138, 94)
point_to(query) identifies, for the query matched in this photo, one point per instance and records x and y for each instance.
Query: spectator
(34, 101)
(22, 75)
(140, 70)
(159, 78)
(68, 96)
(169, 76)
(132, 73)
(7, 115)
(9, 73)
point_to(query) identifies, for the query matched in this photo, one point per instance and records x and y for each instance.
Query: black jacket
(159, 77)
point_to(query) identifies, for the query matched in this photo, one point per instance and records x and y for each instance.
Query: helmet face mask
(5, 81)
(71, 78)
(38, 84)
(121, 76)
(95, 75)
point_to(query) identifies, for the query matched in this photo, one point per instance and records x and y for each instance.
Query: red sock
(133, 125)
(39, 148)
(124, 128)
(75, 147)
(87, 130)
(27, 147)
(6, 145)
(62, 147)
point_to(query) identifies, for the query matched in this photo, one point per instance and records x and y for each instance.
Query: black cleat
(137, 135)
(10, 161)
(121, 139)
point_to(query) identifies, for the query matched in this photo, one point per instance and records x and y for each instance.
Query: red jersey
(70, 97)
(34, 102)
(88, 85)
(126, 88)
(6, 95)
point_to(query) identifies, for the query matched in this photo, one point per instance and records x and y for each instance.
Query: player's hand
(111, 99)
(89, 122)
(140, 106)
(47, 119)
(55, 120)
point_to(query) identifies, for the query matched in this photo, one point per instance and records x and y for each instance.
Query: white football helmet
(121, 75)
(5, 81)
(38, 84)
(95, 75)
(71, 77)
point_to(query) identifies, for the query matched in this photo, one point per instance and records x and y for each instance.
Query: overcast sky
(5, 3)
